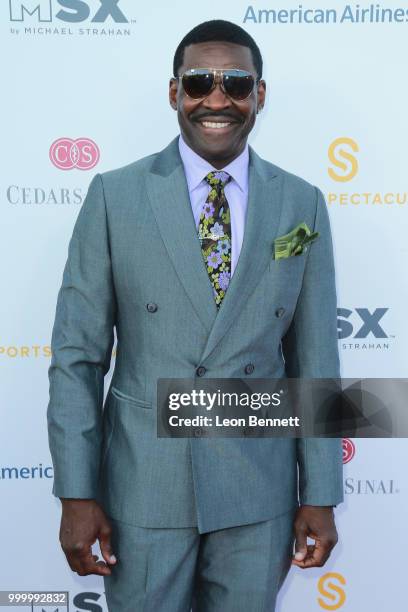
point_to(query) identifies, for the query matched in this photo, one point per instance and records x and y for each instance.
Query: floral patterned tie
(214, 232)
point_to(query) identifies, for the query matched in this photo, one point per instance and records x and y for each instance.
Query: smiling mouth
(216, 125)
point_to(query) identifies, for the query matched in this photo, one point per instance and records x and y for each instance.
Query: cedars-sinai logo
(349, 450)
(81, 153)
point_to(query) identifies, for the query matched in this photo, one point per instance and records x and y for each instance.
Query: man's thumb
(105, 545)
(301, 546)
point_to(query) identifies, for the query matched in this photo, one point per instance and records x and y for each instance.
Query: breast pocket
(288, 264)
(287, 273)
(282, 285)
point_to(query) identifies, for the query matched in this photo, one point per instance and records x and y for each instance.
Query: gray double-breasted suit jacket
(134, 263)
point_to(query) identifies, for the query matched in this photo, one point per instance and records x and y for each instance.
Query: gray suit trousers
(238, 569)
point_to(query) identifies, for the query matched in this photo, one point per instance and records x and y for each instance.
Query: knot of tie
(218, 180)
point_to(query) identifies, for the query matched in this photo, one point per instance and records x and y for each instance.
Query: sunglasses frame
(220, 72)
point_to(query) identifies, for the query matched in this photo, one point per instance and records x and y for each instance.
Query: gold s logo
(337, 156)
(326, 588)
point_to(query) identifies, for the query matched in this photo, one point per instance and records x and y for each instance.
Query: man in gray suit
(175, 252)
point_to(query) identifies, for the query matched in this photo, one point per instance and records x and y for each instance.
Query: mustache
(206, 116)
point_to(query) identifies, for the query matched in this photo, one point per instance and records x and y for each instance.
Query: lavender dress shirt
(236, 191)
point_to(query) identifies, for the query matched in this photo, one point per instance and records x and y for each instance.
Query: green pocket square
(294, 242)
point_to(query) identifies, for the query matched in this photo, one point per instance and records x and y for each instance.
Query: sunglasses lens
(197, 84)
(238, 84)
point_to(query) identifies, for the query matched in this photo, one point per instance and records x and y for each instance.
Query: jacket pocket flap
(128, 398)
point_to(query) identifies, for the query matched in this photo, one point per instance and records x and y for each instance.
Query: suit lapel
(261, 226)
(169, 198)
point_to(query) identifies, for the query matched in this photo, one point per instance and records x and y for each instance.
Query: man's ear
(173, 85)
(261, 95)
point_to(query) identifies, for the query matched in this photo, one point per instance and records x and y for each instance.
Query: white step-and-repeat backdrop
(92, 76)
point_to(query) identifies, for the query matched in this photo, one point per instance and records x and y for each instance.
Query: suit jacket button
(151, 307)
(249, 368)
(201, 370)
(279, 312)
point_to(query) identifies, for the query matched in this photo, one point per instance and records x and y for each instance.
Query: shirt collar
(196, 168)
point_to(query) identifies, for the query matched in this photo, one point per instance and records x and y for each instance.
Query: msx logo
(369, 323)
(78, 10)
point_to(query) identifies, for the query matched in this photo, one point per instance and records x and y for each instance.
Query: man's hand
(83, 522)
(317, 522)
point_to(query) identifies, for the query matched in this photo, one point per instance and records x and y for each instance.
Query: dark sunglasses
(199, 82)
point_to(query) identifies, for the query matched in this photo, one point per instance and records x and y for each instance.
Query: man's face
(219, 146)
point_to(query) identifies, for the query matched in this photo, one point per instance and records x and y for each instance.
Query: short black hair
(220, 31)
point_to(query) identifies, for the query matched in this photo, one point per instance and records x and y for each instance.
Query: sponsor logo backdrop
(84, 91)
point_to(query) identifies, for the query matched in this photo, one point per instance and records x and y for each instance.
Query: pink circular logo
(349, 450)
(82, 153)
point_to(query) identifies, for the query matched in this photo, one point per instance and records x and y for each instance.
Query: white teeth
(212, 124)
